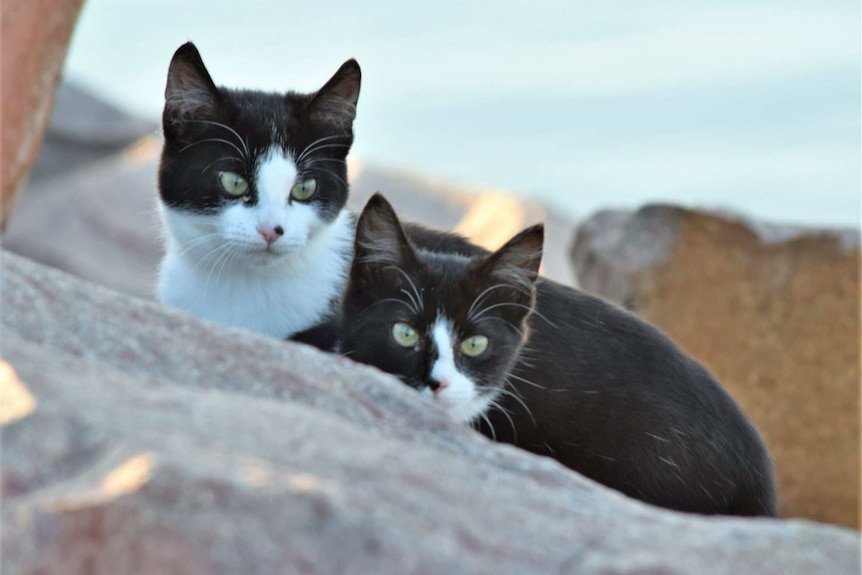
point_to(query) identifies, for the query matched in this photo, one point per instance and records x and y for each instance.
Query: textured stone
(83, 130)
(157, 443)
(773, 311)
(35, 36)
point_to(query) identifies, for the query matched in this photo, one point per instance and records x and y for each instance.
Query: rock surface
(772, 311)
(35, 36)
(149, 441)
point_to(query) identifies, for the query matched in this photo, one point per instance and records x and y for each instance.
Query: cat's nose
(271, 234)
(438, 386)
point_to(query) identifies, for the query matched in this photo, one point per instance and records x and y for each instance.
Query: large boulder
(773, 311)
(33, 42)
(137, 439)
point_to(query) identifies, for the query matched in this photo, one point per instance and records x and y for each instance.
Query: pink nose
(271, 234)
(438, 386)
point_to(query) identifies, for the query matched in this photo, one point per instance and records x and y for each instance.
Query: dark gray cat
(550, 369)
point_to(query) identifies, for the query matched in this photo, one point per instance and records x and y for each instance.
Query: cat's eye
(474, 345)
(234, 184)
(405, 335)
(304, 190)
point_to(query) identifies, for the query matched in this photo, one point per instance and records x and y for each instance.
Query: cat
(252, 190)
(253, 187)
(550, 369)
(417, 314)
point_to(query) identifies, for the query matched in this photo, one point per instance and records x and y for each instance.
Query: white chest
(274, 296)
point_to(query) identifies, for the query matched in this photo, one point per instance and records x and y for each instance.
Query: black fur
(595, 387)
(209, 129)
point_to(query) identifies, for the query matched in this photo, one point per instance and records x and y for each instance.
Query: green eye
(474, 345)
(234, 184)
(304, 190)
(404, 335)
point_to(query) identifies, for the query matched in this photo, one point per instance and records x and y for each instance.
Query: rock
(102, 220)
(773, 311)
(154, 442)
(83, 130)
(35, 36)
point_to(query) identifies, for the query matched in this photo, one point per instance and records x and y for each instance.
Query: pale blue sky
(752, 106)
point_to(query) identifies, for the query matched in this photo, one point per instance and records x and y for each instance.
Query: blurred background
(751, 106)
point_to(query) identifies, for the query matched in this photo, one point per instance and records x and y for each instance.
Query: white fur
(219, 267)
(457, 394)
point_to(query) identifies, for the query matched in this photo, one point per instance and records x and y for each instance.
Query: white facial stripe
(276, 174)
(459, 396)
(247, 226)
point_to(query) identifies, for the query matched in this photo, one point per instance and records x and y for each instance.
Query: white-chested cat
(550, 369)
(253, 187)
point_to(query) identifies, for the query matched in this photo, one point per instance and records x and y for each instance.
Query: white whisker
(418, 299)
(479, 299)
(228, 128)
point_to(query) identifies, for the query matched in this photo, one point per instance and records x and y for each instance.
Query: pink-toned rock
(35, 37)
(156, 443)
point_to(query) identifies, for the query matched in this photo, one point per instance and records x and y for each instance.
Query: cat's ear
(518, 261)
(335, 103)
(189, 91)
(380, 239)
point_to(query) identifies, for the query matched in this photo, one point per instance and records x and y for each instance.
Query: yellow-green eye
(234, 184)
(304, 190)
(474, 345)
(404, 335)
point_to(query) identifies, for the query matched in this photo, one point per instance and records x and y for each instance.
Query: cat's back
(611, 388)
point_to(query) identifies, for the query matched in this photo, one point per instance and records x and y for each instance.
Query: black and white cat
(449, 325)
(572, 377)
(253, 187)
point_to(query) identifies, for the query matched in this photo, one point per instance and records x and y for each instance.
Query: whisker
(526, 307)
(389, 299)
(418, 300)
(228, 128)
(319, 145)
(517, 398)
(507, 322)
(494, 404)
(527, 381)
(490, 425)
(234, 158)
(477, 302)
(415, 303)
(220, 140)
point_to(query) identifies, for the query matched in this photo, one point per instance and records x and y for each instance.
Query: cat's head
(448, 325)
(253, 175)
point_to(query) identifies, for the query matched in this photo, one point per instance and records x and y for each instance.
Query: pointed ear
(335, 103)
(190, 91)
(380, 239)
(518, 261)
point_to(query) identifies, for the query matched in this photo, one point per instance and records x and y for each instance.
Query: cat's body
(588, 383)
(253, 188)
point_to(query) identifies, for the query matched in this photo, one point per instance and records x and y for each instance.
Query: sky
(750, 106)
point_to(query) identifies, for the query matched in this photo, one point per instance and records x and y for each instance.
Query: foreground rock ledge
(145, 441)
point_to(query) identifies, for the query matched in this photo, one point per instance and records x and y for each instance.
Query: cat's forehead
(266, 118)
